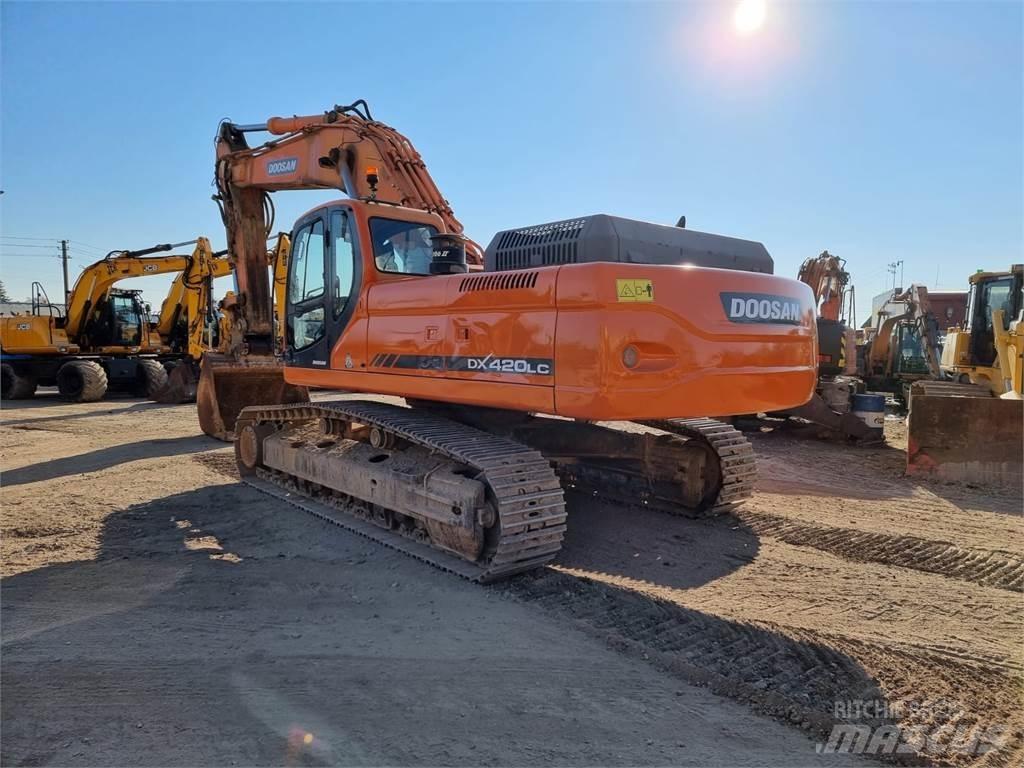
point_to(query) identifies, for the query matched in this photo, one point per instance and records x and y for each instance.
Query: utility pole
(892, 271)
(64, 261)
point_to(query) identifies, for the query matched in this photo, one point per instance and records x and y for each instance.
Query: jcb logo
(23, 326)
(150, 268)
(279, 167)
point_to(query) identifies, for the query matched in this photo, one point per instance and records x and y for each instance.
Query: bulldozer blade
(226, 386)
(181, 384)
(966, 438)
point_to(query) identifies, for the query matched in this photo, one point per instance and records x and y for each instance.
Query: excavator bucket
(181, 384)
(226, 386)
(962, 433)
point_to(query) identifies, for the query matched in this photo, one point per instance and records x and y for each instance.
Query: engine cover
(611, 238)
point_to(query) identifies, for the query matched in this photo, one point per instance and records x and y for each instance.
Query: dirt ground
(157, 612)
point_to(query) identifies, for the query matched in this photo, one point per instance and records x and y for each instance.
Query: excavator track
(525, 511)
(696, 467)
(736, 460)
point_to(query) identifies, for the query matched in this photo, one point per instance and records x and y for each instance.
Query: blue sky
(878, 131)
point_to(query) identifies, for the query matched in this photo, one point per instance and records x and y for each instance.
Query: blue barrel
(870, 409)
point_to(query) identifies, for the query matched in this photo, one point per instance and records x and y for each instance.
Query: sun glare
(749, 16)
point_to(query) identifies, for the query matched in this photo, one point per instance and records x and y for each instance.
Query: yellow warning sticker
(634, 290)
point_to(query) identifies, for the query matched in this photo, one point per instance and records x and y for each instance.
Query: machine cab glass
(323, 276)
(402, 247)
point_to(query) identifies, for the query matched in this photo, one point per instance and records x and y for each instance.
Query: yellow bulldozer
(970, 426)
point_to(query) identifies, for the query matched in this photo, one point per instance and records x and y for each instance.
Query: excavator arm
(277, 260)
(189, 296)
(827, 278)
(97, 279)
(919, 313)
(343, 148)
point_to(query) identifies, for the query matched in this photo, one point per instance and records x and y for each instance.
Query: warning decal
(634, 290)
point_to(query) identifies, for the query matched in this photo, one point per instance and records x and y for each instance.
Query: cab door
(323, 285)
(990, 295)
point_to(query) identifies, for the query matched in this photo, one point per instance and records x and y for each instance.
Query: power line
(86, 245)
(32, 256)
(25, 245)
(18, 237)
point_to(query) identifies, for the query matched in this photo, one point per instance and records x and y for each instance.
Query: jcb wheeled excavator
(187, 324)
(970, 427)
(507, 359)
(105, 339)
(190, 326)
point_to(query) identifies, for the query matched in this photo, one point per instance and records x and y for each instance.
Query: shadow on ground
(37, 404)
(104, 458)
(216, 626)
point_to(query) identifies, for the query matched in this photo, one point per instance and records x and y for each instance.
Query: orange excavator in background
(833, 403)
(590, 319)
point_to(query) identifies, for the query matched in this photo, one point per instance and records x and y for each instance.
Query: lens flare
(749, 16)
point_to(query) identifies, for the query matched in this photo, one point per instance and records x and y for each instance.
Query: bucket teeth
(226, 386)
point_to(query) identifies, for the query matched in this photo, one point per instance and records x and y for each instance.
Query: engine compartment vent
(498, 282)
(543, 245)
(604, 238)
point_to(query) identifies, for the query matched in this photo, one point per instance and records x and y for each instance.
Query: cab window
(997, 296)
(306, 287)
(345, 254)
(402, 247)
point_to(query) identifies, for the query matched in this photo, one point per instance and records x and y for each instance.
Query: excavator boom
(344, 148)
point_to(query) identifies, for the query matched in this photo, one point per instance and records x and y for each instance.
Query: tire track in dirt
(990, 569)
(224, 463)
(791, 674)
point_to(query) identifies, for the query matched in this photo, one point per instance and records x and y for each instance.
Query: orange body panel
(552, 340)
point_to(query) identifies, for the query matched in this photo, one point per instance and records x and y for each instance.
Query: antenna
(892, 271)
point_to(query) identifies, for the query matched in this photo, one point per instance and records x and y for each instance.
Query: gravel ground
(155, 611)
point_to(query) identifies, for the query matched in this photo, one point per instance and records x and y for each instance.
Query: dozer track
(481, 506)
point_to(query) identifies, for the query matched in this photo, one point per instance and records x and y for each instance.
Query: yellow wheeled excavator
(103, 341)
(190, 324)
(970, 426)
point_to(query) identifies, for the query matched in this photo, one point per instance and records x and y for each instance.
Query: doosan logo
(761, 308)
(285, 165)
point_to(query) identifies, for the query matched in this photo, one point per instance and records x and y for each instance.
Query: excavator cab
(999, 292)
(118, 320)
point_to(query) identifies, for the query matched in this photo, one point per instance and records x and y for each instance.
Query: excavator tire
(82, 381)
(150, 378)
(182, 379)
(16, 386)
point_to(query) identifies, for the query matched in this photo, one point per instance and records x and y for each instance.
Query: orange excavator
(507, 359)
(832, 405)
